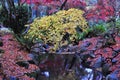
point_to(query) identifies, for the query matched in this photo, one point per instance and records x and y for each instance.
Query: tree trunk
(3, 4)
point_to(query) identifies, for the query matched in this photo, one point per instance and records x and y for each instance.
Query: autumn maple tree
(101, 11)
(57, 5)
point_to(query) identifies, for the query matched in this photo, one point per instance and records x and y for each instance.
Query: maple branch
(62, 6)
(23, 2)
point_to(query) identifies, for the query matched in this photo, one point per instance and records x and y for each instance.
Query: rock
(91, 54)
(13, 78)
(1, 51)
(62, 49)
(38, 50)
(83, 49)
(87, 44)
(114, 54)
(31, 55)
(112, 76)
(99, 43)
(23, 64)
(3, 29)
(34, 58)
(114, 61)
(37, 45)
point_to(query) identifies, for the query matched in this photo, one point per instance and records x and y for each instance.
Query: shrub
(26, 43)
(118, 23)
(57, 28)
(16, 18)
(94, 31)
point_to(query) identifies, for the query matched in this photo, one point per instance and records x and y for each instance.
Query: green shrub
(26, 43)
(16, 19)
(57, 28)
(99, 29)
(118, 23)
(92, 32)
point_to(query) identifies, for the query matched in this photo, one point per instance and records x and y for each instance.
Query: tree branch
(63, 5)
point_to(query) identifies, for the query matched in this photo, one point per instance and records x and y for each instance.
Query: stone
(1, 51)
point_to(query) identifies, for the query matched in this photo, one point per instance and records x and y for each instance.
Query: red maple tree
(103, 10)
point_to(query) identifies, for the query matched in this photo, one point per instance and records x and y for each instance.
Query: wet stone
(83, 49)
(38, 50)
(87, 44)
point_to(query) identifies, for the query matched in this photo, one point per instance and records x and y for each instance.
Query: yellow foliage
(52, 28)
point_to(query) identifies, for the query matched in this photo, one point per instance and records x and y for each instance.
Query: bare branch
(63, 5)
